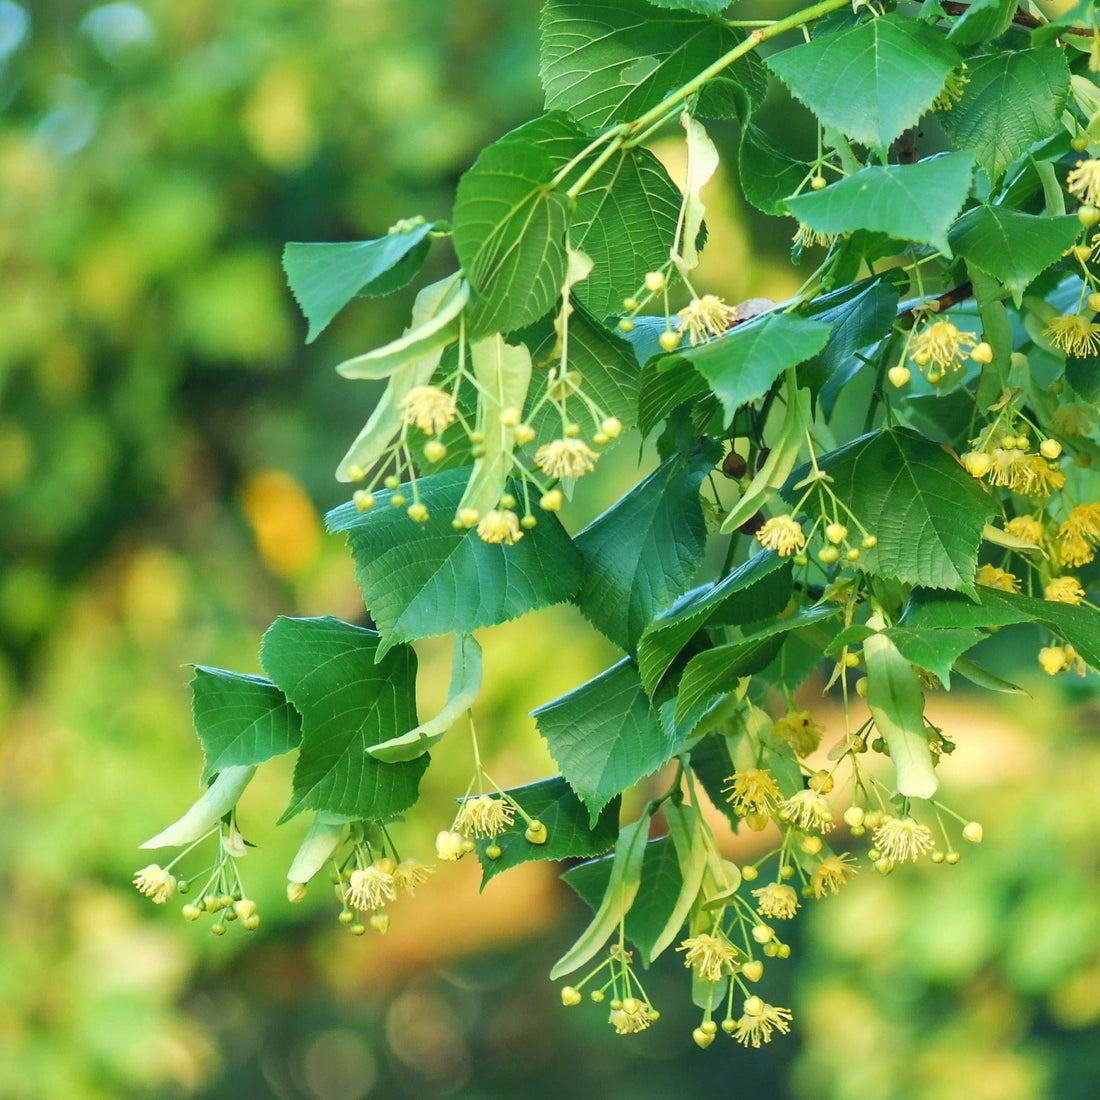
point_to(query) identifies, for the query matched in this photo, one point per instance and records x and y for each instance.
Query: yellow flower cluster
(1079, 535)
(939, 347)
(706, 317)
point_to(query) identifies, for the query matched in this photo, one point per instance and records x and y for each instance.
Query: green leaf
(896, 702)
(1012, 246)
(702, 162)
(420, 579)
(349, 699)
(604, 735)
(1083, 374)
(568, 832)
(509, 234)
(503, 375)
(665, 389)
(324, 277)
(240, 719)
(1012, 100)
(323, 838)
(643, 551)
(752, 592)
(703, 7)
(622, 888)
(435, 320)
(742, 365)
(982, 21)
(609, 62)
(871, 82)
(717, 670)
(465, 686)
(925, 510)
(936, 650)
(910, 202)
(859, 314)
(690, 844)
(984, 678)
(767, 172)
(624, 217)
(213, 804)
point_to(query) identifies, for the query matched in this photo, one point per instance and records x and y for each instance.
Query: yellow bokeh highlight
(283, 521)
(277, 119)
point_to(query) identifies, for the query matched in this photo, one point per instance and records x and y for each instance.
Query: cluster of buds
(630, 1009)
(703, 319)
(365, 888)
(1001, 455)
(485, 817)
(936, 349)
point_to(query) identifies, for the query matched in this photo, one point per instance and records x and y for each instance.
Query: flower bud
(570, 996)
(972, 831)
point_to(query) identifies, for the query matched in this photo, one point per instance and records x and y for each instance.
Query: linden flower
(1064, 590)
(902, 838)
(806, 237)
(370, 887)
(155, 882)
(448, 846)
(992, 577)
(633, 1016)
(1084, 181)
(714, 957)
(942, 345)
(1054, 659)
(783, 534)
(1074, 549)
(429, 408)
(705, 317)
(1085, 520)
(1040, 478)
(1072, 333)
(751, 792)
(776, 900)
(1073, 419)
(1008, 468)
(759, 1021)
(952, 90)
(566, 458)
(484, 816)
(799, 730)
(1025, 527)
(808, 810)
(831, 874)
(976, 463)
(409, 874)
(499, 526)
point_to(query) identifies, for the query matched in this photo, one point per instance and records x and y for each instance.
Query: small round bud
(869, 542)
(511, 418)
(973, 832)
(935, 376)
(729, 1026)
(398, 500)
(861, 688)
(524, 434)
(753, 970)
(468, 845)
(884, 866)
(183, 886)
(417, 512)
(873, 853)
(854, 815)
(435, 451)
(1088, 215)
(937, 856)
(244, 908)
(612, 427)
(476, 436)
(1093, 301)
(749, 873)
(873, 819)
(626, 325)
(786, 872)
(702, 1038)
(536, 832)
(1080, 143)
(468, 517)
(380, 922)
(858, 830)
(250, 924)
(783, 950)
(818, 183)
(763, 933)
(800, 560)
(827, 555)
(811, 845)
(670, 339)
(1082, 252)
(218, 929)
(709, 1026)
(850, 660)
(570, 996)
(899, 376)
(358, 929)
(528, 522)
(346, 916)
(601, 439)
(356, 473)
(852, 553)
(655, 281)
(492, 851)
(212, 903)
(1050, 448)
(478, 450)
(771, 950)
(571, 431)
(192, 912)
(615, 1004)
(952, 858)
(757, 822)
(630, 303)
(363, 500)
(597, 995)
(392, 482)
(552, 501)
(982, 353)
(922, 359)
(836, 532)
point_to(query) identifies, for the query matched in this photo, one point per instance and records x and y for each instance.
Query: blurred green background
(167, 445)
